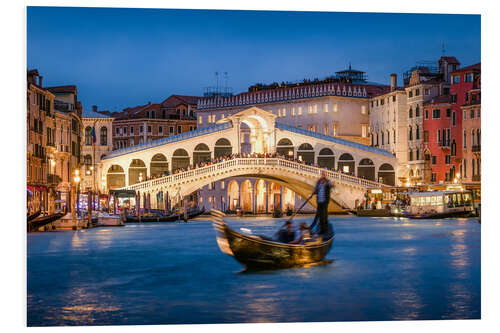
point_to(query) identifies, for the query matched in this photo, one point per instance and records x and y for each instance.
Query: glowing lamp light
(88, 172)
(290, 153)
(76, 179)
(91, 168)
(77, 172)
(458, 175)
(346, 168)
(52, 163)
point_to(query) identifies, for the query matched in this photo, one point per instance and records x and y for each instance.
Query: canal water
(381, 269)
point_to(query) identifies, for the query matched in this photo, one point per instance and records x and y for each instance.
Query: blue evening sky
(126, 57)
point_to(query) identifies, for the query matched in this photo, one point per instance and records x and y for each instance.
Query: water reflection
(380, 269)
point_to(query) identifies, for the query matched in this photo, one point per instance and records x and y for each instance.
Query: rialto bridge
(163, 166)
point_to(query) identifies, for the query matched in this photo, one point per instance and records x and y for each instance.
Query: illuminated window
(335, 108)
(283, 112)
(293, 112)
(310, 110)
(363, 109)
(315, 108)
(200, 120)
(325, 107)
(300, 110)
(325, 129)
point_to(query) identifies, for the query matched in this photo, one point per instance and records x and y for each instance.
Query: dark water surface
(382, 269)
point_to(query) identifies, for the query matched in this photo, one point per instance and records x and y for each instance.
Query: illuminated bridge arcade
(359, 166)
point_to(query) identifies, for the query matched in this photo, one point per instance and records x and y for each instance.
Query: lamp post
(74, 199)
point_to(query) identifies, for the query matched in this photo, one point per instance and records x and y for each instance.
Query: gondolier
(322, 190)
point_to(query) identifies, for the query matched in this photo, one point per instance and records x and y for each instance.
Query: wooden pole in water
(186, 208)
(89, 207)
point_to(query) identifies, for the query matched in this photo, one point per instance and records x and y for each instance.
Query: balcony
(476, 148)
(444, 145)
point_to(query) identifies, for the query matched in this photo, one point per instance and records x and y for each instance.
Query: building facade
(136, 125)
(423, 85)
(65, 155)
(40, 139)
(389, 124)
(98, 143)
(470, 168)
(338, 106)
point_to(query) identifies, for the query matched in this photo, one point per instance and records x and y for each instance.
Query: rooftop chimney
(94, 108)
(394, 82)
(40, 79)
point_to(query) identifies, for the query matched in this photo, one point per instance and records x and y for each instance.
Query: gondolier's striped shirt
(321, 191)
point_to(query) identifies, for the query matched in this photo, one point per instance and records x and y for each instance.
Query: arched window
(465, 139)
(417, 154)
(417, 111)
(410, 157)
(410, 113)
(478, 137)
(453, 148)
(88, 136)
(417, 133)
(382, 138)
(394, 136)
(473, 138)
(104, 136)
(411, 134)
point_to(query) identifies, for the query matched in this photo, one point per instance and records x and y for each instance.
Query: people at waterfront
(322, 190)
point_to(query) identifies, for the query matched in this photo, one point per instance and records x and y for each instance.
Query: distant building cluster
(431, 124)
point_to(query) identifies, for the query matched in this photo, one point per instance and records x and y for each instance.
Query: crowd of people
(224, 158)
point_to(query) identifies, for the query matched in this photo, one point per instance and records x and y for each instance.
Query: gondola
(33, 216)
(166, 218)
(373, 212)
(41, 221)
(256, 252)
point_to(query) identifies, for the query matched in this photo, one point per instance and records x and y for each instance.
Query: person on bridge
(322, 190)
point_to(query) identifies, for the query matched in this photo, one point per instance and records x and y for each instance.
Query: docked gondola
(165, 218)
(258, 252)
(33, 216)
(41, 221)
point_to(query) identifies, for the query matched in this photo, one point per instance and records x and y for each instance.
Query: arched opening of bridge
(285, 148)
(258, 133)
(158, 166)
(201, 153)
(288, 199)
(222, 148)
(305, 153)
(346, 163)
(326, 158)
(137, 171)
(260, 195)
(366, 169)
(233, 195)
(246, 196)
(115, 177)
(180, 159)
(274, 196)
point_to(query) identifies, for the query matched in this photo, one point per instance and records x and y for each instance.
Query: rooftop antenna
(225, 83)
(349, 65)
(443, 49)
(217, 78)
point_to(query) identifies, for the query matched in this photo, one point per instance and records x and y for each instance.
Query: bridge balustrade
(230, 164)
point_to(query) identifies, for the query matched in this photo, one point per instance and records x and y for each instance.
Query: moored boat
(165, 218)
(438, 204)
(256, 252)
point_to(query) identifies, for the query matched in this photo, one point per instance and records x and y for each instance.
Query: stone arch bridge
(352, 167)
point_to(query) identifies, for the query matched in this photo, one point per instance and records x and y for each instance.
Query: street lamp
(74, 199)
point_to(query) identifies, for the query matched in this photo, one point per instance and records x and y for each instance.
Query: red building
(439, 143)
(445, 142)
(463, 81)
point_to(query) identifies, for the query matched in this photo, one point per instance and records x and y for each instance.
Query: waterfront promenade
(173, 273)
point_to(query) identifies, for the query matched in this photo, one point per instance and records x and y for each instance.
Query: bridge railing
(270, 162)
